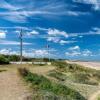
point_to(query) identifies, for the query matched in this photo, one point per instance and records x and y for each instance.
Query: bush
(14, 58)
(3, 60)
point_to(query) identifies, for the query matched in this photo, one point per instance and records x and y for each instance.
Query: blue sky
(70, 27)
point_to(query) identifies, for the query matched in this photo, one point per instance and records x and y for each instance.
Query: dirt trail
(12, 87)
(41, 70)
(94, 96)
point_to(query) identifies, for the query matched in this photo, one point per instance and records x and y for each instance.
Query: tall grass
(79, 74)
(41, 83)
(58, 75)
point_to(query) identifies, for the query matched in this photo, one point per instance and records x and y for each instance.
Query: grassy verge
(41, 83)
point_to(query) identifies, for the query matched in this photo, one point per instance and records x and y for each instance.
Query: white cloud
(59, 40)
(34, 32)
(4, 4)
(2, 34)
(74, 48)
(5, 42)
(53, 39)
(87, 53)
(62, 42)
(93, 31)
(56, 36)
(34, 53)
(18, 12)
(95, 3)
(40, 52)
(29, 53)
(4, 51)
(55, 32)
(76, 51)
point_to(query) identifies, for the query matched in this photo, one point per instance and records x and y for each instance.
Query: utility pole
(48, 49)
(21, 47)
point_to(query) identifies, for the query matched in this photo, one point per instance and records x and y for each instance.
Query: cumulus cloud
(85, 53)
(76, 51)
(29, 53)
(55, 32)
(53, 39)
(56, 36)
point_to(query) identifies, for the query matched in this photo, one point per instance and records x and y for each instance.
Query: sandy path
(94, 65)
(41, 70)
(12, 87)
(94, 96)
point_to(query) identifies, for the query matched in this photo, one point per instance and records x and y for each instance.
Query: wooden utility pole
(21, 47)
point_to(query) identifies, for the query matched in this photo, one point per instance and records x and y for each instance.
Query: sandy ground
(94, 96)
(42, 70)
(12, 87)
(94, 65)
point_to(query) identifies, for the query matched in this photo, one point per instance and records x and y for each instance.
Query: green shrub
(14, 58)
(3, 60)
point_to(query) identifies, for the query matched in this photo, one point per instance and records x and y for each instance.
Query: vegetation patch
(2, 70)
(41, 83)
(3, 60)
(78, 74)
(99, 98)
(58, 75)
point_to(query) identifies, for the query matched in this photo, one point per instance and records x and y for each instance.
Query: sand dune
(94, 65)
